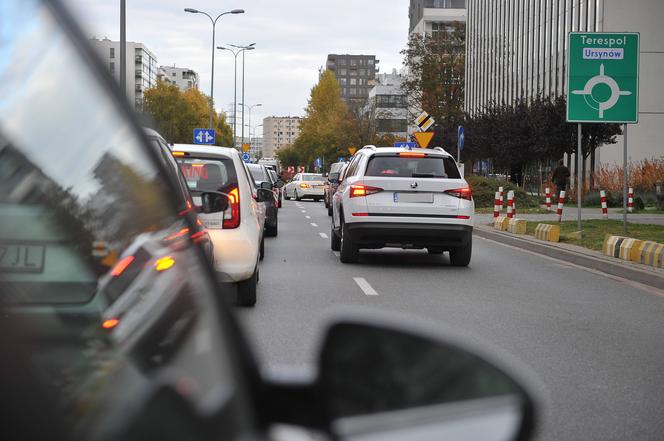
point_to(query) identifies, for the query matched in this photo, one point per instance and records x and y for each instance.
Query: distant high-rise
(431, 16)
(141, 66)
(356, 75)
(279, 131)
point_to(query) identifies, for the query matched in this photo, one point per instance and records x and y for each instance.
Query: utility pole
(123, 49)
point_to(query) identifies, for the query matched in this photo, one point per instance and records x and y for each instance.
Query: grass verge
(595, 230)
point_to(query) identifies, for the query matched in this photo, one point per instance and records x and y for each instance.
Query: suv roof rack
(369, 147)
(440, 149)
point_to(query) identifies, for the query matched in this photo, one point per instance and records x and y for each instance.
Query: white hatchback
(236, 231)
(393, 197)
(305, 186)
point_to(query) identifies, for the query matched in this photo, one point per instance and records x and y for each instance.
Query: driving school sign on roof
(603, 77)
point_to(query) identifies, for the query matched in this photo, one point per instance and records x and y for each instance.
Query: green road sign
(603, 77)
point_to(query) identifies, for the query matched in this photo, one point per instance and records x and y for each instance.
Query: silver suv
(394, 197)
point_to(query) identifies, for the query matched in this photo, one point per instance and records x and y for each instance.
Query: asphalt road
(594, 344)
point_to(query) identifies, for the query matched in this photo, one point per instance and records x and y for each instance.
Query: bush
(643, 175)
(484, 192)
(660, 202)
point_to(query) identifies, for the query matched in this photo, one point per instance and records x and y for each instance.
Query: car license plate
(19, 258)
(423, 198)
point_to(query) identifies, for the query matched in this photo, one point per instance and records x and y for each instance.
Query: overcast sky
(293, 38)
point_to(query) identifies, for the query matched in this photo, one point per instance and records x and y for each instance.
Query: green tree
(435, 81)
(176, 114)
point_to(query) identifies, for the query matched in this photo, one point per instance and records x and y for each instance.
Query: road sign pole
(625, 177)
(579, 177)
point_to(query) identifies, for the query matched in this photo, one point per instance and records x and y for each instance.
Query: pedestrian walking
(560, 176)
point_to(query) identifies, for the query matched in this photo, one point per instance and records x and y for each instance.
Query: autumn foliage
(643, 175)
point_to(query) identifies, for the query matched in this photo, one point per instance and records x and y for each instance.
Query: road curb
(618, 269)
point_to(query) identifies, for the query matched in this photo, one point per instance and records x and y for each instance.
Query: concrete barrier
(548, 232)
(611, 246)
(501, 223)
(651, 253)
(627, 248)
(517, 226)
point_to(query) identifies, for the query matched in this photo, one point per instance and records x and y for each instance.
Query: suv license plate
(423, 198)
(18, 258)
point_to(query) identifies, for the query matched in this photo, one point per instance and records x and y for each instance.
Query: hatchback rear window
(257, 173)
(408, 167)
(312, 177)
(205, 174)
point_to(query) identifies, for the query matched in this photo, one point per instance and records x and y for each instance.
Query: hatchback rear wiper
(428, 175)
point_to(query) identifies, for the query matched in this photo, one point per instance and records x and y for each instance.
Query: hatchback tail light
(232, 214)
(360, 190)
(461, 193)
(304, 185)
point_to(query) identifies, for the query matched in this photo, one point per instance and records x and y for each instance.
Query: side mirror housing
(213, 202)
(265, 185)
(325, 175)
(279, 183)
(263, 195)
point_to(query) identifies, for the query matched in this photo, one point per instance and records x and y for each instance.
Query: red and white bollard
(510, 204)
(500, 190)
(496, 205)
(605, 208)
(630, 200)
(561, 202)
(548, 199)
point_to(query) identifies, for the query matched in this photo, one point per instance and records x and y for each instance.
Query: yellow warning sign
(423, 138)
(246, 147)
(352, 150)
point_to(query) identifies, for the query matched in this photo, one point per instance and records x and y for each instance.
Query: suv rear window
(205, 174)
(257, 173)
(407, 167)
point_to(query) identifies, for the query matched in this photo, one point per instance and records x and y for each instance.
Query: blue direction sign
(318, 163)
(341, 159)
(204, 136)
(245, 157)
(462, 137)
(405, 145)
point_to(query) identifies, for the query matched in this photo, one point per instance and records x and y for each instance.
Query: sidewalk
(570, 214)
(577, 255)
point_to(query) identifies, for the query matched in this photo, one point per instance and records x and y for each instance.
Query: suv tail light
(360, 190)
(232, 215)
(461, 193)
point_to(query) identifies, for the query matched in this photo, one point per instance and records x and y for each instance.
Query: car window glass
(257, 173)
(312, 177)
(206, 174)
(407, 167)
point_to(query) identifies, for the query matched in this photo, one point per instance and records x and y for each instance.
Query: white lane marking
(308, 217)
(323, 235)
(364, 286)
(203, 342)
(303, 211)
(336, 253)
(647, 288)
(314, 224)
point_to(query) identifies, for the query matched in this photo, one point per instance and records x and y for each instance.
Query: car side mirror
(263, 195)
(279, 183)
(265, 185)
(325, 175)
(213, 202)
(379, 379)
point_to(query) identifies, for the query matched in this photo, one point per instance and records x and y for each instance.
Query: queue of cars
(112, 318)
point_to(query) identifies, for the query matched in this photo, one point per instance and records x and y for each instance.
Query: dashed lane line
(364, 286)
(323, 235)
(313, 224)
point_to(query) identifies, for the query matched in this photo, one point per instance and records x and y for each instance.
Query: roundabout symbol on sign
(601, 79)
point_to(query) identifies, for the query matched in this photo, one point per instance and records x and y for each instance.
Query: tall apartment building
(356, 75)
(182, 77)
(431, 16)
(533, 35)
(141, 65)
(279, 131)
(387, 104)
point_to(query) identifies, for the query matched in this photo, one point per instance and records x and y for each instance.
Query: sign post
(603, 87)
(461, 136)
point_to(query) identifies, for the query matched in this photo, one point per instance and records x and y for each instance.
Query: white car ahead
(305, 186)
(393, 197)
(236, 231)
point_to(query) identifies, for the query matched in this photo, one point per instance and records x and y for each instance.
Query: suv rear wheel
(246, 290)
(460, 256)
(335, 240)
(349, 252)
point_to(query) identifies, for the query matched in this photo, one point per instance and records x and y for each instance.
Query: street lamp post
(243, 47)
(249, 107)
(214, 25)
(235, 54)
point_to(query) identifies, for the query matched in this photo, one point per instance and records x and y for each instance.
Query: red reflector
(360, 214)
(110, 323)
(121, 266)
(463, 217)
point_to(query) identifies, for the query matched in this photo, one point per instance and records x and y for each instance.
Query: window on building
(353, 61)
(112, 54)
(111, 67)
(342, 81)
(343, 72)
(353, 91)
(391, 125)
(353, 72)
(342, 62)
(363, 72)
(173, 74)
(370, 62)
(353, 81)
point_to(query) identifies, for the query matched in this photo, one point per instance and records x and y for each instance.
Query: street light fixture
(247, 47)
(235, 53)
(214, 24)
(249, 107)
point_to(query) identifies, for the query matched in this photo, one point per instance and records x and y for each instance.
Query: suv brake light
(360, 190)
(232, 215)
(461, 193)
